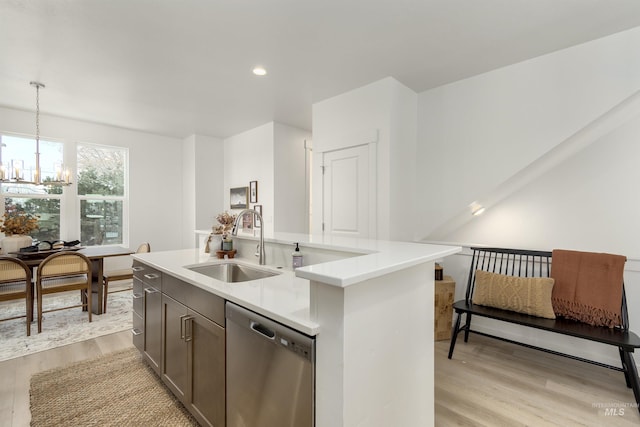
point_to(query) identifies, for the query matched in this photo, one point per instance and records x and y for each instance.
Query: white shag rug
(60, 327)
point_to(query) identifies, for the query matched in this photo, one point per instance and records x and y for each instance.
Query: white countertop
(379, 257)
(285, 297)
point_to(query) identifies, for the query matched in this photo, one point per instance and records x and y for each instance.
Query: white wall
(388, 109)
(403, 166)
(586, 202)
(209, 180)
(155, 181)
(203, 185)
(249, 156)
(188, 202)
(475, 134)
(290, 195)
(479, 136)
(274, 155)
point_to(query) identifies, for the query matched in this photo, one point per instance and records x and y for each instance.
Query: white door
(346, 199)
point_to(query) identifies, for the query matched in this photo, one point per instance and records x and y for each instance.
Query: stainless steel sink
(232, 273)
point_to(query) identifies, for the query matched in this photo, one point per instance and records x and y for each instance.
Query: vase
(14, 243)
(227, 244)
(215, 244)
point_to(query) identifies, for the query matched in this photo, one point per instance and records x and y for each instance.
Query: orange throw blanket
(588, 286)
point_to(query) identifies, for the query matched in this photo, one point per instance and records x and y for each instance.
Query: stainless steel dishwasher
(270, 372)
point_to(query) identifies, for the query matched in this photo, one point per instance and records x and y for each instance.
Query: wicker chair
(15, 283)
(62, 272)
(117, 275)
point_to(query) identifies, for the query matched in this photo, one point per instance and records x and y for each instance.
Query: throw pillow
(528, 295)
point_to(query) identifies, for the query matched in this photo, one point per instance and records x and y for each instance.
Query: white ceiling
(182, 67)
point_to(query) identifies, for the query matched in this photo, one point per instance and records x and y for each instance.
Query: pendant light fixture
(15, 173)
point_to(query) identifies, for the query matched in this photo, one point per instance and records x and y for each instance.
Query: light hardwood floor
(15, 374)
(491, 383)
(487, 383)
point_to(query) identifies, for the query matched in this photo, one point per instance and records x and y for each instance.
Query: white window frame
(124, 198)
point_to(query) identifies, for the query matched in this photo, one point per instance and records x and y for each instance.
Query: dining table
(96, 255)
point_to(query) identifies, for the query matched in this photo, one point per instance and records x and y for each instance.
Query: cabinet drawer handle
(137, 296)
(136, 332)
(185, 327)
(151, 290)
(152, 276)
(189, 324)
(182, 326)
(137, 269)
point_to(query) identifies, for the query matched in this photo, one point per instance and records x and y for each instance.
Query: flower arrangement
(18, 222)
(225, 223)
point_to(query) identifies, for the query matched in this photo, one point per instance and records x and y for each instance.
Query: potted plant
(220, 232)
(16, 226)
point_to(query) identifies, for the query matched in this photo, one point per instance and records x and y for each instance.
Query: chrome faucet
(234, 232)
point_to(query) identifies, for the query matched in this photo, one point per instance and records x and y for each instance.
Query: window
(93, 210)
(48, 209)
(17, 155)
(102, 194)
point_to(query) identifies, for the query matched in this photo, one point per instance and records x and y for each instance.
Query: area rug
(60, 327)
(116, 389)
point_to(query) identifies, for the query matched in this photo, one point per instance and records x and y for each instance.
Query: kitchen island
(369, 305)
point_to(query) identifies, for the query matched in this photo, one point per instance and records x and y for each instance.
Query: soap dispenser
(297, 257)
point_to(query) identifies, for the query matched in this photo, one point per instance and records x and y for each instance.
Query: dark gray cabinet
(206, 363)
(174, 366)
(179, 328)
(193, 338)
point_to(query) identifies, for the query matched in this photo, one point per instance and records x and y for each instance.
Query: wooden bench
(526, 263)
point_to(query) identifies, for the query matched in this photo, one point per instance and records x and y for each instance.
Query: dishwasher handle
(263, 330)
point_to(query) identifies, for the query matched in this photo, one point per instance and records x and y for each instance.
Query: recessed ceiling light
(259, 71)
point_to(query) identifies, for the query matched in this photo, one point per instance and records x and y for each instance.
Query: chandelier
(14, 171)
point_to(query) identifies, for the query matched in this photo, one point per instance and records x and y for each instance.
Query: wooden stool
(444, 293)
